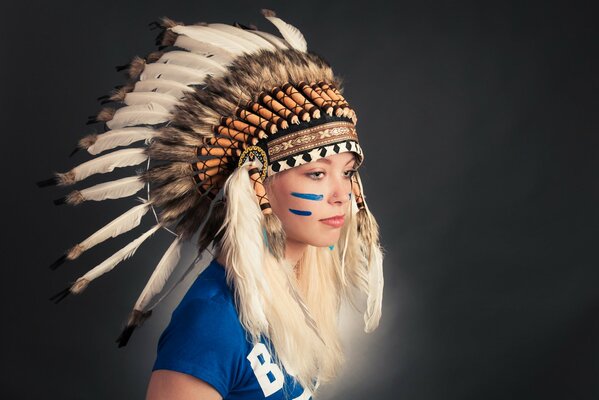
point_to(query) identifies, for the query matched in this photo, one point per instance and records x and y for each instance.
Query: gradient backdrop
(480, 126)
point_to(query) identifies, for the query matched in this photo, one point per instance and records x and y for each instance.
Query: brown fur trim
(74, 198)
(167, 23)
(162, 195)
(169, 152)
(161, 174)
(119, 94)
(136, 67)
(192, 218)
(268, 13)
(154, 56)
(177, 207)
(105, 114)
(208, 234)
(64, 179)
(74, 252)
(88, 141)
(79, 286)
(168, 39)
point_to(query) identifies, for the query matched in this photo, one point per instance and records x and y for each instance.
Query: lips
(335, 222)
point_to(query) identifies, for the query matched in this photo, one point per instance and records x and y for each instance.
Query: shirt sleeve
(204, 340)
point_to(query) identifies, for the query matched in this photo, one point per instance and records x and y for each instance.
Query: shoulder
(206, 314)
(204, 337)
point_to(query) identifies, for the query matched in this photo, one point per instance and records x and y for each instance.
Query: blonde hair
(295, 308)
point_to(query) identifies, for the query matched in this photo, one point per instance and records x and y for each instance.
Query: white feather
(121, 224)
(214, 37)
(161, 85)
(119, 137)
(140, 98)
(221, 56)
(124, 253)
(113, 190)
(244, 36)
(184, 75)
(290, 33)
(375, 289)
(275, 40)
(160, 276)
(243, 244)
(192, 60)
(108, 162)
(142, 114)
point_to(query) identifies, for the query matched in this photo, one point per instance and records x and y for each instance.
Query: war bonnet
(213, 99)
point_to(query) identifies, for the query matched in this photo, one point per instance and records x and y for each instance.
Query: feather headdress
(214, 98)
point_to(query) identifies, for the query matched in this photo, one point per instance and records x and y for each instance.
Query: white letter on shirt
(262, 369)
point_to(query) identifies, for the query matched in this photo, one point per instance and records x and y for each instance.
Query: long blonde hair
(295, 307)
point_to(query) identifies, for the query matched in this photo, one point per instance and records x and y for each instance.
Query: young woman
(254, 151)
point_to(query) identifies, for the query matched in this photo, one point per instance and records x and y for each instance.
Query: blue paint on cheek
(331, 247)
(301, 212)
(308, 196)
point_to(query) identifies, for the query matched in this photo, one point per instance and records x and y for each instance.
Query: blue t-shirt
(205, 339)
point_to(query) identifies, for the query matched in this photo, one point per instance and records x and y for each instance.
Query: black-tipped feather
(47, 182)
(60, 201)
(58, 262)
(58, 297)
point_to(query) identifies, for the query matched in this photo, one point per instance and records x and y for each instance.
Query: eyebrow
(326, 160)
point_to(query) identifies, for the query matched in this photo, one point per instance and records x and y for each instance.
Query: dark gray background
(480, 127)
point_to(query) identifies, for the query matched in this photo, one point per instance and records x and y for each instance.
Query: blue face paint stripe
(308, 196)
(301, 212)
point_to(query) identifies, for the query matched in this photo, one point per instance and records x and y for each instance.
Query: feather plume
(257, 41)
(243, 244)
(172, 72)
(275, 40)
(215, 37)
(215, 53)
(375, 289)
(112, 261)
(140, 98)
(160, 276)
(290, 33)
(161, 85)
(108, 190)
(103, 164)
(146, 114)
(192, 60)
(123, 223)
(96, 144)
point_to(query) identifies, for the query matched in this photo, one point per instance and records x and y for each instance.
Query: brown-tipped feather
(169, 38)
(88, 141)
(167, 23)
(64, 179)
(105, 114)
(118, 94)
(74, 198)
(136, 67)
(275, 235)
(75, 251)
(154, 56)
(268, 13)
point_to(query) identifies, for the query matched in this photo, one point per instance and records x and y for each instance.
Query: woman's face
(311, 200)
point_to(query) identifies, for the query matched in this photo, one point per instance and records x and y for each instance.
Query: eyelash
(312, 175)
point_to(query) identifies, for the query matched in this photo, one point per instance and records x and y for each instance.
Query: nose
(339, 191)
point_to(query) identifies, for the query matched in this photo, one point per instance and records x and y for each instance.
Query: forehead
(341, 159)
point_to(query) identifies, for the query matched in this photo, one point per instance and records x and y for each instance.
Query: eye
(316, 175)
(348, 174)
